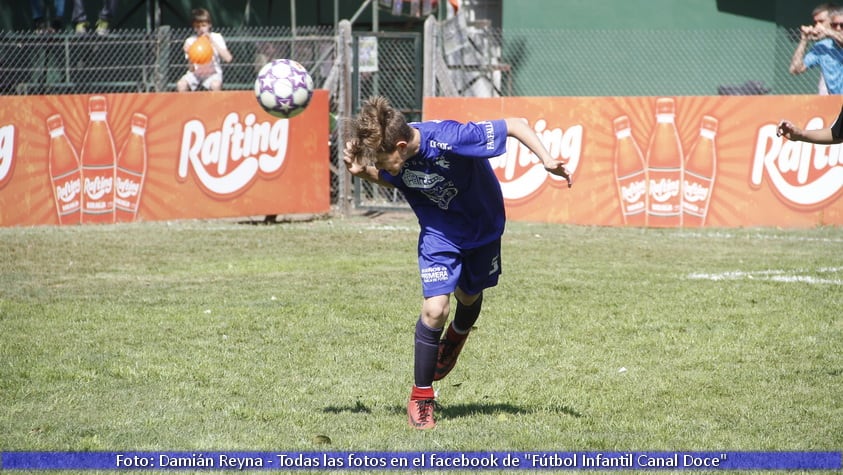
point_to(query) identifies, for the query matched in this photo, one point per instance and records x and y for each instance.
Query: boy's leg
(480, 270)
(420, 407)
(450, 347)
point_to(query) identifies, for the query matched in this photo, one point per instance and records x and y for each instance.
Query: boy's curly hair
(377, 129)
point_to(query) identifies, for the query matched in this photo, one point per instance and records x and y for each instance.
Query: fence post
(162, 56)
(344, 112)
(428, 64)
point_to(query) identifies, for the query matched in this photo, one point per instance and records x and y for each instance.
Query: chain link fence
(653, 63)
(451, 58)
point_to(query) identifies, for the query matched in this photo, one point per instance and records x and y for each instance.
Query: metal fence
(451, 58)
(138, 61)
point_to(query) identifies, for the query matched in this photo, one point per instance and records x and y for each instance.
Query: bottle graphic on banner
(65, 174)
(630, 175)
(98, 158)
(664, 168)
(131, 171)
(700, 170)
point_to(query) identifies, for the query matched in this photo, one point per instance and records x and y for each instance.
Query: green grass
(224, 336)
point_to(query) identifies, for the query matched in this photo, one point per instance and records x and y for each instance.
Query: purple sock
(466, 315)
(427, 349)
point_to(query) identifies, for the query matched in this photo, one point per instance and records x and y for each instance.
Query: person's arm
(358, 169)
(520, 130)
(827, 136)
(797, 62)
(222, 49)
(187, 42)
(818, 136)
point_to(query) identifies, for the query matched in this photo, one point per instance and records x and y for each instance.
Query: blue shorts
(443, 267)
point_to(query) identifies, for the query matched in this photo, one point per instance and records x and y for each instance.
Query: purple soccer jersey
(450, 184)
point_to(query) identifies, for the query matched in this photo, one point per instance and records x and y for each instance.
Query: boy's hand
(352, 162)
(557, 168)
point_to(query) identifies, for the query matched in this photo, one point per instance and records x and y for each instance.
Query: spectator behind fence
(827, 51)
(821, 17)
(39, 16)
(80, 17)
(208, 75)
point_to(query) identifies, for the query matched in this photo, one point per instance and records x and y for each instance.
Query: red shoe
(420, 414)
(449, 351)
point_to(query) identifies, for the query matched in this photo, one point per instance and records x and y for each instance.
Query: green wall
(650, 47)
(655, 14)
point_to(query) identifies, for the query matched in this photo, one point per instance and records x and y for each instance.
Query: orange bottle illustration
(630, 174)
(65, 174)
(131, 171)
(664, 168)
(700, 170)
(98, 157)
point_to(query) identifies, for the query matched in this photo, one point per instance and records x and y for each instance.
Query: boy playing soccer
(443, 171)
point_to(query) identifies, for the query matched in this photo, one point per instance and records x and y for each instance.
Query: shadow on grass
(475, 409)
(357, 408)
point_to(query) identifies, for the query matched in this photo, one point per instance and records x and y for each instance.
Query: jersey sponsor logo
(440, 145)
(803, 175)
(431, 185)
(420, 180)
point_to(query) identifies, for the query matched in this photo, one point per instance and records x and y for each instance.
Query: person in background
(827, 136)
(39, 16)
(209, 75)
(821, 18)
(827, 50)
(103, 25)
(442, 168)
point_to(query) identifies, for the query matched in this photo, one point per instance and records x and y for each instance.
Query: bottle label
(99, 184)
(664, 191)
(633, 189)
(68, 188)
(127, 191)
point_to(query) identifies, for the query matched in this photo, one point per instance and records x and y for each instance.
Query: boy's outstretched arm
(521, 130)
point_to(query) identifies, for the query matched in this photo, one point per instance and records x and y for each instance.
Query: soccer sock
(427, 350)
(464, 318)
(422, 393)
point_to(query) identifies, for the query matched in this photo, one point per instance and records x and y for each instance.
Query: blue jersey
(450, 184)
(829, 57)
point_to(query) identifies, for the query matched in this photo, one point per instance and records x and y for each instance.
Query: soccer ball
(283, 88)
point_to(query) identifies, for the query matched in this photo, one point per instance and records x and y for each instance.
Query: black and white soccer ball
(283, 88)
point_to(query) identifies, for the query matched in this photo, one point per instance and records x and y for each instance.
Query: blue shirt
(828, 55)
(450, 184)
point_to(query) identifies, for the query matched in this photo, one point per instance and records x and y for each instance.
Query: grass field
(226, 336)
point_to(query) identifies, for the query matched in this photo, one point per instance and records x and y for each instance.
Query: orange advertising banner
(123, 157)
(666, 161)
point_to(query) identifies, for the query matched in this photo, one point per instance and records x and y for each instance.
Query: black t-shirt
(837, 127)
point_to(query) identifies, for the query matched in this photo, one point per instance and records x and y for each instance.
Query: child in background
(208, 75)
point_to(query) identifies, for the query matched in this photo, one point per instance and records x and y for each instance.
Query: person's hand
(787, 129)
(352, 161)
(811, 32)
(807, 32)
(555, 167)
